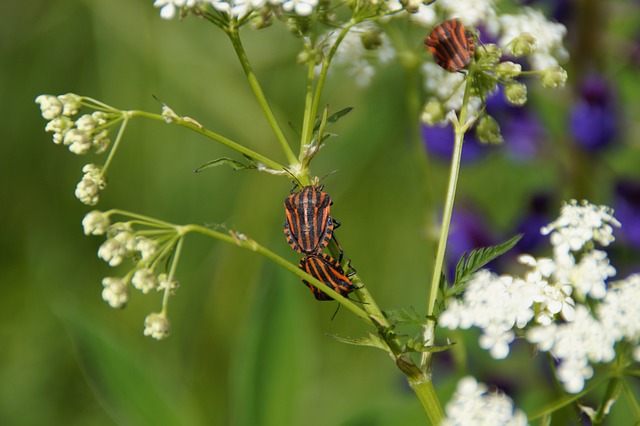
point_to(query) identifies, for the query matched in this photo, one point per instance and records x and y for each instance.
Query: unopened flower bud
(516, 94)
(488, 130)
(523, 45)
(432, 113)
(508, 70)
(157, 326)
(554, 77)
(95, 223)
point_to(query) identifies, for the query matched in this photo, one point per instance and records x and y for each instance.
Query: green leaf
(333, 118)
(470, 262)
(403, 316)
(418, 346)
(234, 164)
(370, 340)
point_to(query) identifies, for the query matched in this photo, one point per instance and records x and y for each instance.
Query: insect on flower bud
(488, 130)
(554, 77)
(516, 94)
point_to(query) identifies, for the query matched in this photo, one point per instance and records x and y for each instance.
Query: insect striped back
(308, 226)
(328, 270)
(451, 44)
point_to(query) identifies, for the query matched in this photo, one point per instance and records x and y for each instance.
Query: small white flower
(145, 280)
(146, 247)
(472, 405)
(353, 54)
(118, 246)
(168, 8)
(543, 336)
(300, 7)
(88, 189)
(237, 8)
(79, 142)
(59, 126)
(157, 326)
(70, 104)
(620, 309)
(100, 141)
(95, 223)
(589, 276)
(579, 224)
(50, 106)
(548, 47)
(472, 13)
(115, 292)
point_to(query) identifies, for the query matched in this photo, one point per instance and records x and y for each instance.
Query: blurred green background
(249, 345)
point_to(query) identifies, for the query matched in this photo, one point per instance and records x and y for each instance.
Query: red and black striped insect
(327, 270)
(451, 44)
(308, 225)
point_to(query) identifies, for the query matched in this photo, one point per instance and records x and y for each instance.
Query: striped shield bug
(328, 270)
(308, 225)
(451, 44)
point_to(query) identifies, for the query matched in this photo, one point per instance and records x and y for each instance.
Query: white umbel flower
(88, 189)
(549, 51)
(472, 405)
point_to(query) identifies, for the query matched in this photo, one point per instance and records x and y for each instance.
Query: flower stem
(460, 127)
(197, 127)
(426, 393)
(234, 35)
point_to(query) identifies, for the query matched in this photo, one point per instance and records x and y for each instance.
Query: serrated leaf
(470, 262)
(234, 164)
(403, 316)
(370, 340)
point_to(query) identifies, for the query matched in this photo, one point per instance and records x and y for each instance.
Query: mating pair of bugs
(308, 228)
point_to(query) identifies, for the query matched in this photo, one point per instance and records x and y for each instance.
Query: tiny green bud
(432, 113)
(488, 130)
(524, 44)
(516, 93)
(371, 39)
(508, 70)
(554, 77)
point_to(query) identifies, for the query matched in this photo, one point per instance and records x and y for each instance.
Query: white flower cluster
(364, 46)
(87, 133)
(473, 405)
(566, 303)
(124, 242)
(235, 8)
(84, 134)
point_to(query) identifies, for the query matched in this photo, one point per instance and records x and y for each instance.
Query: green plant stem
(243, 241)
(460, 127)
(234, 35)
(308, 119)
(426, 393)
(199, 128)
(113, 149)
(313, 111)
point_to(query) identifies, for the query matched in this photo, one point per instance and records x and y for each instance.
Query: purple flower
(593, 119)
(539, 214)
(627, 210)
(438, 140)
(522, 130)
